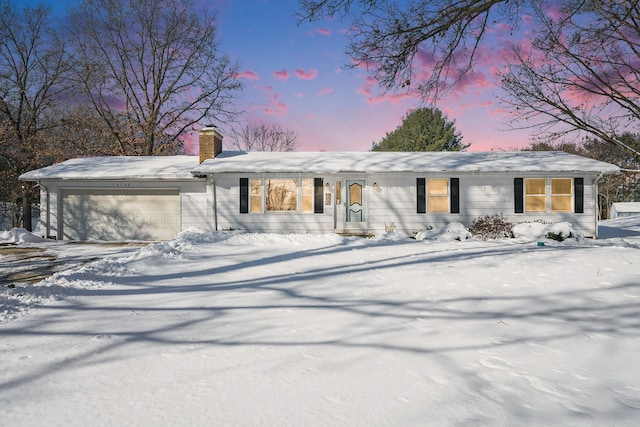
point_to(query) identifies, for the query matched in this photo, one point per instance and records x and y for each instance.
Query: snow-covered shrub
(491, 227)
(532, 231)
(560, 232)
(452, 231)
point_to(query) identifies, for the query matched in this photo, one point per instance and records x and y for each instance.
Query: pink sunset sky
(294, 76)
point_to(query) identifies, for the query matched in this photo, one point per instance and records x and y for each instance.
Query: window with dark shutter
(578, 194)
(318, 192)
(518, 195)
(244, 195)
(454, 198)
(421, 193)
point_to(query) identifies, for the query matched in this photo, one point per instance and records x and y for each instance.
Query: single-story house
(620, 209)
(153, 198)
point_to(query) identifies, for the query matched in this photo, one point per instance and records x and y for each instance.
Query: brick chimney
(210, 140)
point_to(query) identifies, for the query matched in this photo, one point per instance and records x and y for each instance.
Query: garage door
(104, 214)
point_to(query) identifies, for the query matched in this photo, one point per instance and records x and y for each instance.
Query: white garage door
(104, 214)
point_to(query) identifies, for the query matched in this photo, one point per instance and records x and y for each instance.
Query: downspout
(215, 205)
(47, 210)
(594, 184)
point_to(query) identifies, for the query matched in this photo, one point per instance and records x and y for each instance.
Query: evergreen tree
(425, 129)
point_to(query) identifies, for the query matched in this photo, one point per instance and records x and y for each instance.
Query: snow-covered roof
(334, 162)
(118, 167)
(185, 167)
(626, 206)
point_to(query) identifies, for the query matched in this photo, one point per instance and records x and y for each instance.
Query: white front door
(354, 202)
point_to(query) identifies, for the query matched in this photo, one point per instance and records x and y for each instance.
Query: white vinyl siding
(480, 195)
(298, 221)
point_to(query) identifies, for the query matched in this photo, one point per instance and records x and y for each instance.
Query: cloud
(247, 74)
(276, 107)
(281, 75)
(366, 89)
(502, 27)
(306, 75)
(323, 31)
(472, 81)
(325, 91)
(390, 98)
(555, 12)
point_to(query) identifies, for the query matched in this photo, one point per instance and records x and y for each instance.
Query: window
(542, 194)
(281, 195)
(561, 194)
(437, 195)
(255, 196)
(535, 195)
(307, 195)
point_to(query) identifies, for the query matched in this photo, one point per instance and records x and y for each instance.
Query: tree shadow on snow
(259, 308)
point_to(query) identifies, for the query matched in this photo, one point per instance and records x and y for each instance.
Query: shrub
(559, 237)
(491, 227)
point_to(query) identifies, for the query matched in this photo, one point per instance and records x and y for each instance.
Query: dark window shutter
(421, 193)
(518, 195)
(578, 196)
(244, 195)
(454, 185)
(318, 193)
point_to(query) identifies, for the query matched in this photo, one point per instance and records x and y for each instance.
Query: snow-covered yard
(263, 329)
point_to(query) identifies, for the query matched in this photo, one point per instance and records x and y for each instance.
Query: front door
(354, 201)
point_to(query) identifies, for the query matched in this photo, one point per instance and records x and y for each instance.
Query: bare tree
(34, 71)
(254, 136)
(580, 75)
(386, 36)
(151, 69)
